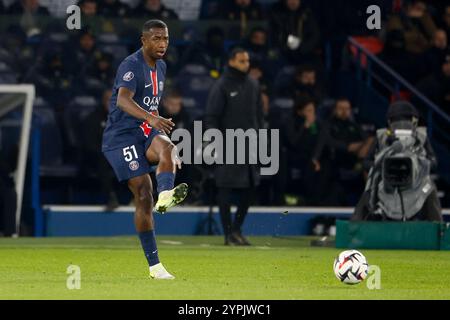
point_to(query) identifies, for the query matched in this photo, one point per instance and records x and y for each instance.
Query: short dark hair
(81, 2)
(154, 23)
(339, 99)
(304, 68)
(235, 51)
(257, 29)
(413, 2)
(302, 100)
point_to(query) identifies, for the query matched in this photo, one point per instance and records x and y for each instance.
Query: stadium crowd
(295, 47)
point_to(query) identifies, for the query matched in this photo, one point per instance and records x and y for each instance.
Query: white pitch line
(171, 242)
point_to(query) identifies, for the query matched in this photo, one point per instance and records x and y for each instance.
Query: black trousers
(431, 210)
(245, 197)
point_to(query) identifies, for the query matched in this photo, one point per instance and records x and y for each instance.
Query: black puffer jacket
(234, 102)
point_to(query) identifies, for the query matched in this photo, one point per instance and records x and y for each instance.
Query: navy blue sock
(148, 242)
(165, 181)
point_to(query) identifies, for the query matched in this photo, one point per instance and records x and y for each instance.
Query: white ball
(350, 267)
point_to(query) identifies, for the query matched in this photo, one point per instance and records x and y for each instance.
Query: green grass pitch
(273, 268)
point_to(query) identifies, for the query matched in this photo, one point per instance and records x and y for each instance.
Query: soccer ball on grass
(350, 267)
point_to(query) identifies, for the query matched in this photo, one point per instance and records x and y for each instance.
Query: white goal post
(19, 176)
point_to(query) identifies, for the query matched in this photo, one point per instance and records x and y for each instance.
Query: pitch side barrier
(62, 220)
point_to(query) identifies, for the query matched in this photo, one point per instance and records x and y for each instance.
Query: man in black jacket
(234, 102)
(341, 146)
(301, 134)
(295, 30)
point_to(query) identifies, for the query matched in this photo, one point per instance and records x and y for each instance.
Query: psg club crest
(134, 165)
(128, 76)
(161, 86)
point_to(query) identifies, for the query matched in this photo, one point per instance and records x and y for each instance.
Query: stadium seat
(6, 74)
(372, 44)
(6, 58)
(58, 37)
(193, 69)
(280, 108)
(51, 153)
(74, 114)
(282, 103)
(8, 77)
(283, 78)
(108, 37)
(194, 83)
(91, 86)
(325, 108)
(111, 43)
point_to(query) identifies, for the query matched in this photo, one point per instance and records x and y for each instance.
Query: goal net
(16, 107)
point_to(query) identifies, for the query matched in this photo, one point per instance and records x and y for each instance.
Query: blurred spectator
(8, 196)
(305, 82)
(242, 11)
(294, 29)
(210, 54)
(394, 54)
(301, 135)
(86, 48)
(153, 9)
(102, 69)
(89, 8)
(113, 9)
(30, 11)
(15, 53)
(27, 7)
(437, 86)
(85, 54)
(260, 52)
(346, 145)
(257, 73)
(172, 107)
(416, 24)
(90, 18)
(446, 20)
(54, 80)
(91, 141)
(436, 54)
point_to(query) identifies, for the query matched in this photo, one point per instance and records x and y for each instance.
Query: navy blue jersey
(147, 84)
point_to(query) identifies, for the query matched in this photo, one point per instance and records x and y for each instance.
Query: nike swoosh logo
(148, 85)
(233, 94)
(155, 251)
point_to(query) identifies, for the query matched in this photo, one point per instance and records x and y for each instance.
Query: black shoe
(231, 240)
(241, 239)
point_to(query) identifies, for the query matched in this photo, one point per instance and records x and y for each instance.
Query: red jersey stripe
(154, 82)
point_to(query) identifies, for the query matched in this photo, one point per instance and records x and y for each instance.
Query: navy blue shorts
(129, 160)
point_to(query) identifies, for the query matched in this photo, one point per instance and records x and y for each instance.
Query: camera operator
(399, 186)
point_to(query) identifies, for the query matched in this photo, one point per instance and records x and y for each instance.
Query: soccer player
(135, 137)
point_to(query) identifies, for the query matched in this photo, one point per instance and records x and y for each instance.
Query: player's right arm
(126, 103)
